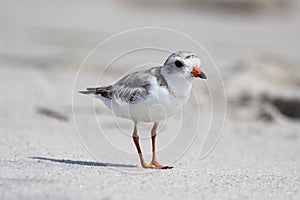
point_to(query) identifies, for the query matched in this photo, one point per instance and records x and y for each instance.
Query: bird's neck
(180, 86)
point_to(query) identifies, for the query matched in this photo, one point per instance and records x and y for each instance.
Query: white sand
(41, 157)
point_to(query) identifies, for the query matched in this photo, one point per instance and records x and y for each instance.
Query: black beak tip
(202, 75)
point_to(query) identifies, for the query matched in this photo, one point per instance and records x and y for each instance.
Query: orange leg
(135, 137)
(154, 161)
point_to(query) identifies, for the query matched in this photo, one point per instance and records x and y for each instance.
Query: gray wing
(131, 88)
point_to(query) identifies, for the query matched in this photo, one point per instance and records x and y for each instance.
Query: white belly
(158, 106)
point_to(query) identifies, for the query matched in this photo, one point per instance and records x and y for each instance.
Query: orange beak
(198, 73)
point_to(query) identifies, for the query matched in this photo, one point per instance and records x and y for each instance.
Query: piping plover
(152, 95)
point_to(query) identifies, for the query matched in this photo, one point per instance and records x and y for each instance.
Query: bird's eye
(178, 63)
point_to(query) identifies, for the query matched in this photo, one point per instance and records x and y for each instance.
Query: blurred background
(242, 36)
(254, 43)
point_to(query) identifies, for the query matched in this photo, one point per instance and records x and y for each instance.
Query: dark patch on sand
(288, 107)
(52, 113)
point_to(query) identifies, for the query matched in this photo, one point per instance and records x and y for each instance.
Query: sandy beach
(58, 144)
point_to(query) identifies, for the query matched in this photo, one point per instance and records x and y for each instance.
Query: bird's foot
(145, 165)
(157, 165)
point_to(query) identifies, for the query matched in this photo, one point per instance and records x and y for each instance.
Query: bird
(143, 95)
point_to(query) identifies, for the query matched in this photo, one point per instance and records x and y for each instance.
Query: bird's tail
(103, 91)
(89, 91)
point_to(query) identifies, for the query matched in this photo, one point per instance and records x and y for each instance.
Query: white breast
(159, 105)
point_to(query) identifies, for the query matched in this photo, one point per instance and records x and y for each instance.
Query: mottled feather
(131, 88)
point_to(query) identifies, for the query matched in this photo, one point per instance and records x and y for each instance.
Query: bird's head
(186, 64)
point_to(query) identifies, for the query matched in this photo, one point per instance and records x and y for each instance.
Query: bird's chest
(171, 98)
(179, 90)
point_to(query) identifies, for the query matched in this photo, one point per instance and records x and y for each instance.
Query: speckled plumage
(135, 95)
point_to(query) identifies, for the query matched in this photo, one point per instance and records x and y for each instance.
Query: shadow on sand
(79, 162)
